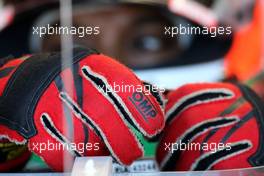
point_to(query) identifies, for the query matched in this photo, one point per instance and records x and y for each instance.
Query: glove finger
(140, 108)
(53, 119)
(197, 94)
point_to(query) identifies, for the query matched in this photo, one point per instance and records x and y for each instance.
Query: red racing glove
(37, 108)
(212, 126)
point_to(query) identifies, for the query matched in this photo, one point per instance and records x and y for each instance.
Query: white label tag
(144, 165)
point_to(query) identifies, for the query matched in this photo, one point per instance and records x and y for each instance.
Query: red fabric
(202, 112)
(117, 73)
(118, 139)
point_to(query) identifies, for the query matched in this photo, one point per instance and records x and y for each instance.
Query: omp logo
(143, 105)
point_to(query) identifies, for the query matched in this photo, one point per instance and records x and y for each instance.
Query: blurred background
(134, 32)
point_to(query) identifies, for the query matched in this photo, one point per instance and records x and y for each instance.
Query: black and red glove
(37, 108)
(212, 126)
